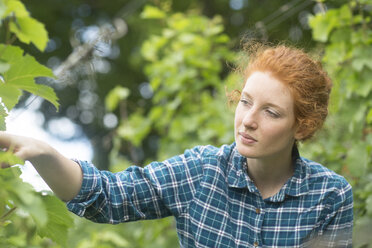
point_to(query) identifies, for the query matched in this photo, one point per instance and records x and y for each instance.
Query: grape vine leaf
(4, 67)
(20, 76)
(3, 114)
(59, 220)
(25, 27)
(21, 194)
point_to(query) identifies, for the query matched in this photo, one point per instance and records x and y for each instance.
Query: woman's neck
(270, 174)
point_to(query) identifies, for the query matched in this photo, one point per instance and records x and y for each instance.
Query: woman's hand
(63, 175)
(24, 147)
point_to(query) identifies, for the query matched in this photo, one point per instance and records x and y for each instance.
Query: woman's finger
(4, 165)
(5, 140)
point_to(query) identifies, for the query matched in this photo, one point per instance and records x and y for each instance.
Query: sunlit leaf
(114, 238)
(16, 7)
(59, 220)
(2, 10)
(21, 76)
(25, 27)
(21, 194)
(30, 30)
(4, 67)
(10, 158)
(9, 95)
(362, 57)
(3, 115)
(151, 12)
(116, 95)
(322, 25)
(135, 129)
(369, 116)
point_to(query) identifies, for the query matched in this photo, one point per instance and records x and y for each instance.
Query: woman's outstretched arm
(63, 175)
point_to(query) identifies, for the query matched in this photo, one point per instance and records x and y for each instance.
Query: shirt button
(255, 244)
(258, 211)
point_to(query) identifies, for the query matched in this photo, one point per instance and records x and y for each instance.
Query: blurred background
(140, 80)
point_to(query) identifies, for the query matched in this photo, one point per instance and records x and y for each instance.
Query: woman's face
(264, 118)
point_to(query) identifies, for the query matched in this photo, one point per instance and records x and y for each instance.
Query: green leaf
(9, 158)
(43, 91)
(136, 129)
(2, 10)
(113, 238)
(357, 158)
(320, 27)
(26, 28)
(3, 115)
(9, 95)
(369, 116)
(23, 70)
(151, 12)
(29, 30)
(323, 24)
(19, 240)
(362, 232)
(362, 57)
(21, 194)
(59, 220)
(16, 7)
(22, 66)
(4, 67)
(116, 95)
(369, 205)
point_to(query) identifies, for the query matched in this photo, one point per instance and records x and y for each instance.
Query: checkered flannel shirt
(216, 204)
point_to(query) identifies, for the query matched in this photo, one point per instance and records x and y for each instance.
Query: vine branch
(3, 218)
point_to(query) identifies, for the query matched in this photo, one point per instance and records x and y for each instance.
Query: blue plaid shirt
(216, 204)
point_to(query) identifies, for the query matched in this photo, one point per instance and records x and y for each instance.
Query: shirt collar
(296, 186)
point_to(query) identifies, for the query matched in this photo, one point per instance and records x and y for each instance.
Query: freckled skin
(265, 113)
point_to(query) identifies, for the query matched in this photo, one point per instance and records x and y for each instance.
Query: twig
(2, 218)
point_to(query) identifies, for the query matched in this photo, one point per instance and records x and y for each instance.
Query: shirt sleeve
(338, 227)
(158, 190)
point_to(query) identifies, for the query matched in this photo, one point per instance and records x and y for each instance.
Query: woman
(256, 192)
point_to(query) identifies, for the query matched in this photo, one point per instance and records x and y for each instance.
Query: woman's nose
(250, 120)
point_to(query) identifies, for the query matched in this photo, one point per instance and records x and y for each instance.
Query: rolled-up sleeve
(158, 190)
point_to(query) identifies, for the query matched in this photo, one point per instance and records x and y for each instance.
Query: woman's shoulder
(323, 176)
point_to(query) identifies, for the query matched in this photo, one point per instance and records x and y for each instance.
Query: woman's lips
(247, 139)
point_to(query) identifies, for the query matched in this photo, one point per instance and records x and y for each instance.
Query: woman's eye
(245, 101)
(272, 113)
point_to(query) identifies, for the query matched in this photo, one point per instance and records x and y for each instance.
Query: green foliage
(185, 63)
(346, 142)
(17, 69)
(140, 234)
(20, 76)
(25, 215)
(151, 12)
(115, 96)
(26, 28)
(19, 200)
(58, 221)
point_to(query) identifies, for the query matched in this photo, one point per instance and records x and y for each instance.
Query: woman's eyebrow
(246, 94)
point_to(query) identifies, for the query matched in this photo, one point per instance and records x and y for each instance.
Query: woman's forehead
(263, 87)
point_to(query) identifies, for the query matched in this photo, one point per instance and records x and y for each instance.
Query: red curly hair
(307, 81)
